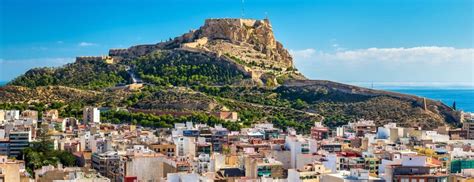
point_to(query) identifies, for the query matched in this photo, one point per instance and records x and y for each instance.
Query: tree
(42, 153)
(300, 104)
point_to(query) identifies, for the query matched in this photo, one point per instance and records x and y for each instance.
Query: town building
(91, 115)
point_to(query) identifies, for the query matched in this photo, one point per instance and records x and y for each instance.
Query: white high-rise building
(91, 115)
(299, 147)
(9, 115)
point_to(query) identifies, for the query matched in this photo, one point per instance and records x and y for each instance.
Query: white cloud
(403, 54)
(86, 44)
(430, 64)
(305, 53)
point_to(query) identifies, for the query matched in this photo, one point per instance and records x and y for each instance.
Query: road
(134, 77)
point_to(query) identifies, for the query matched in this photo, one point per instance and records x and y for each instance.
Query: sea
(463, 96)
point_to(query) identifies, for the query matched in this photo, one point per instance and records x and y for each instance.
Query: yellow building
(310, 173)
(10, 170)
(263, 167)
(167, 149)
(467, 175)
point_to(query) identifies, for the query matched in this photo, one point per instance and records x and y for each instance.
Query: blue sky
(414, 41)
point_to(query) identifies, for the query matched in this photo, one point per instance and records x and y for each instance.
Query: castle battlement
(106, 59)
(240, 22)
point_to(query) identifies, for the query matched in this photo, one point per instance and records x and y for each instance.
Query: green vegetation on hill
(258, 95)
(336, 106)
(164, 121)
(182, 68)
(83, 74)
(172, 99)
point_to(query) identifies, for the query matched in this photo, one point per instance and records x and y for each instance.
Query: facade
(137, 166)
(415, 168)
(310, 173)
(299, 146)
(466, 175)
(29, 114)
(319, 133)
(2, 116)
(11, 170)
(91, 115)
(68, 174)
(363, 127)
(263, 167)
(19, 140)
(460, 164)
(14, 142)
(468, 126)
(167, 149)
(107, 164)
(228, 116)
(51, 115)
(354, 175)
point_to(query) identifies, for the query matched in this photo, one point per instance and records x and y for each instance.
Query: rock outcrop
(250, 42)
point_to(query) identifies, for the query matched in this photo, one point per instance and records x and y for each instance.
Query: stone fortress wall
(106, 59)
(235, 22)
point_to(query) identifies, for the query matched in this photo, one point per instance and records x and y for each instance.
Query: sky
(351, 41)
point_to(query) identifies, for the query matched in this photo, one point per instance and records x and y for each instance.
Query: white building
(185, 146)
(354, 175)
(10, 115)
(434, 136)
(384, 132)
(179, 177)
(91, 115)
(299, 146)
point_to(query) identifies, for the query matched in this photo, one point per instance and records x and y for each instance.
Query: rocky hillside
(249, 43)
(226, 64)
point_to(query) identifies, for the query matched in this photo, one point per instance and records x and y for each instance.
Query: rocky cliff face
(250, 42)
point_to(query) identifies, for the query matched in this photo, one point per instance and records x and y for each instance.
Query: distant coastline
(464, 97)
(414, 85)
(462, 93)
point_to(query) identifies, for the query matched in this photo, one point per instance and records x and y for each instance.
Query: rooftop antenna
(266, 15)
(243, 9)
